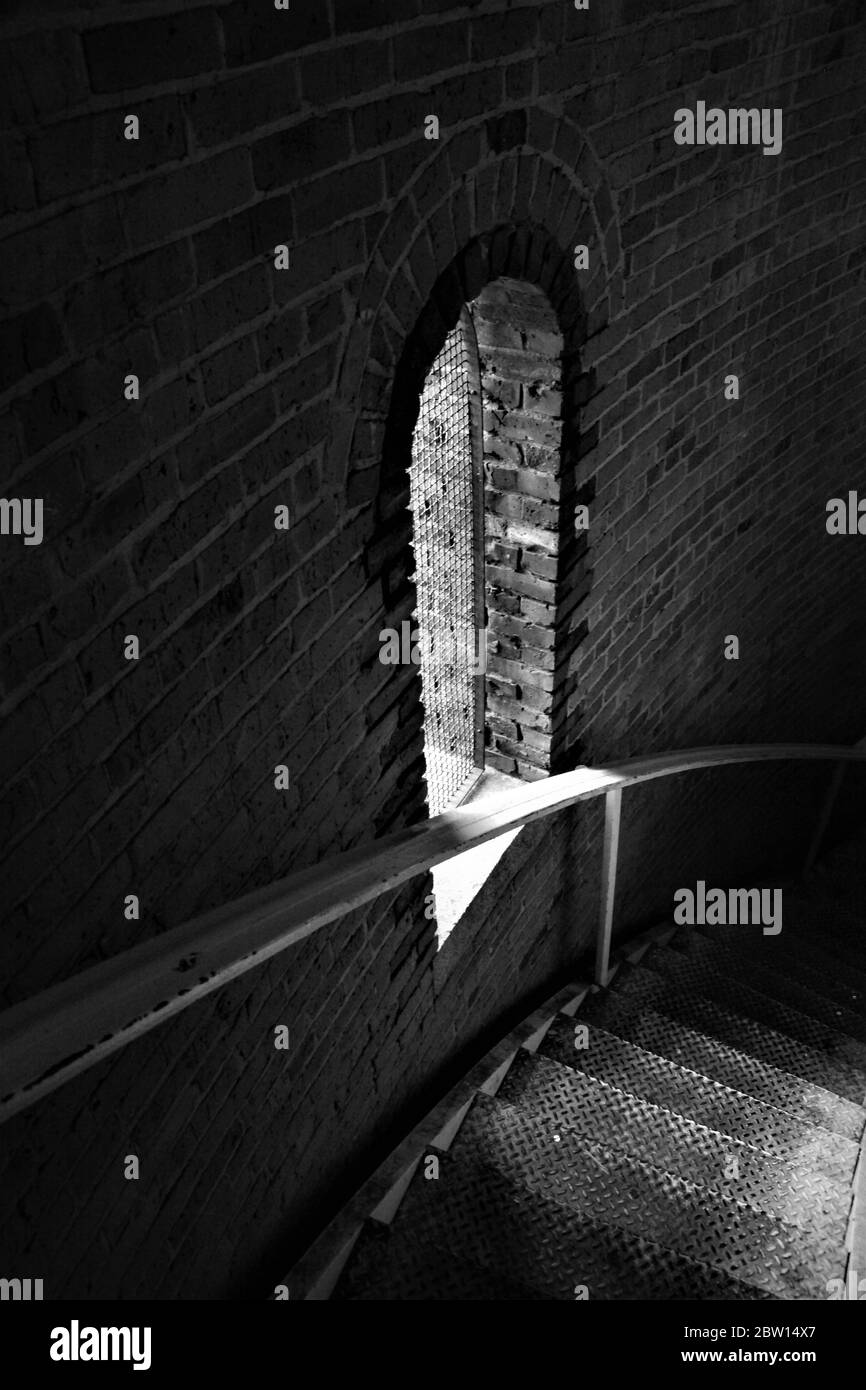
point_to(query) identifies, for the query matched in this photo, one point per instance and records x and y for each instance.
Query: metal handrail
(64, 1030)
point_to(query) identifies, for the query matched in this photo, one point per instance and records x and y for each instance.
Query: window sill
(459, 880)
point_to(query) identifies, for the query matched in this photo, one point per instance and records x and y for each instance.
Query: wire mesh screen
(442, 493)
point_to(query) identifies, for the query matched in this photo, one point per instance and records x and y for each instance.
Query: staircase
(692, 1132)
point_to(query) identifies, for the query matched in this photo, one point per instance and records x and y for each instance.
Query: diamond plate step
(762, 974)
(802, 959)
(835, 937)
(649, 1074)
(709, 1055)
(617, 1120)
(616, 1190)
(689, 976)
(645, 988)
(483, 1211)
(396, 1265)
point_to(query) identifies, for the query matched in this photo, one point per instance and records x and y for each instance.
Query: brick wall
(521, 358)
(264, 387)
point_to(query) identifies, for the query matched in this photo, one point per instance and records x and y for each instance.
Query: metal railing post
(610, 856)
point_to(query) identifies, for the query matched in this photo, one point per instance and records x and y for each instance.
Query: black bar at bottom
(167, 1340)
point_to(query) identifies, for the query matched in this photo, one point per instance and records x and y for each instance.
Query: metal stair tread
(808, 963)
(847, 1055)
(618, 1120)
(785, 988)
(620, 1190)
(641, 988)
(701, 1099)
(487, 1212)
(658, 1030)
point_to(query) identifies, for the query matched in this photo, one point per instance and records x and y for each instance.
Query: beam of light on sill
(458, 881)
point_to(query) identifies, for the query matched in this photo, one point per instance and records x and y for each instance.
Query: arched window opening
(485, 497)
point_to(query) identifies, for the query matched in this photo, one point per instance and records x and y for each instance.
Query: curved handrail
(64, 1030)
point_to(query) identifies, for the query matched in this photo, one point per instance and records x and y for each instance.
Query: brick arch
(550, 179)
(516, 251)
(557, 144)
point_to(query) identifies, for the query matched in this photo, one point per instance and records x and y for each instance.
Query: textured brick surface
(261, 388)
